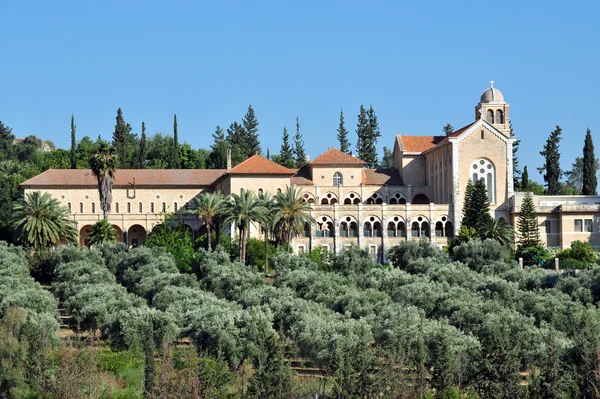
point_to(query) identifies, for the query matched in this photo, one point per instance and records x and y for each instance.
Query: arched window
(420, 199)
(499, 116)
(368, 229)
(420, 227)
(175, 207)
(260, 191)
(93, 207)
(348, 227)
(116, 207)
(164, 207)
(81, 207)
(391, 229)
(129, 207)
(352, 199)
(490, 115)
(69, 206)
(444, 227)
(324, 227)
(337, 179)
(152, 207)
(375, 198)
(483, 169)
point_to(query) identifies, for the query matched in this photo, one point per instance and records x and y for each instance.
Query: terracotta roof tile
(257, 165)
(381, 176)
(420, 143)
(335, 156)
(302, 178)
(143, 177)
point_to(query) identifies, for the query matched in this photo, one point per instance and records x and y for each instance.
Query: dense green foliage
(342, 135)
(590, 169)
(551, 169)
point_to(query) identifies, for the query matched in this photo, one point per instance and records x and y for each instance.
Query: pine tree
(343, 135)
(527, 224)
(362, 128)
(174, 161)
(142, 151)
(590, 181)
(217, 159)
(73, 144)
(468, 214)
(387, 161)
(286, 155)
(515, 160)
(251, 143)
(122, 140)
(7, 146)
(373, 134)
(551, 154)
(299, 154)
(525, 179)
(448, 129)
(480, 203)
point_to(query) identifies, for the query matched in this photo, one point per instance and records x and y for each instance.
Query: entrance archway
(84, 235)
(136, 235)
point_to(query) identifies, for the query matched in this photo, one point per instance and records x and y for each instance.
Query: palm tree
(498, 231)
(242, 210)
(104, 166)
(40, 221)
(292, 212)
(268, 223)
(208, 207)
(102, 231)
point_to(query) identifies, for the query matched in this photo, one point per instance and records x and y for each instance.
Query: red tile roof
(143, 177)
(257, 165)
(381, 176)
(302, 178)
(423, 143)
(336, 157)
(420, 143)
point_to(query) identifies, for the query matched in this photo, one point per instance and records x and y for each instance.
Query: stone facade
(421, 196)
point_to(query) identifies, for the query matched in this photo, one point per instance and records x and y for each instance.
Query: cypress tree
(468, 219)
(525, 179)
(590, 181)
(286, 156)
(251, 144)
(217, 158)
(73, 144)
(268, 154)
(174, 162)
(448, 129)
(370, 140)
(299, 154)
(527, 224)
(342, 135)
(551, 167)
(362, 128)
(142, 151)
(122, 140)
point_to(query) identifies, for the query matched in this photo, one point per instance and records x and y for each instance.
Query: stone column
(409, 199)
(313, 231)
(336, 229)
(386, 192)
(360, 226)
(432, 222)
(317, 194)
(408, 222)
(384, 237)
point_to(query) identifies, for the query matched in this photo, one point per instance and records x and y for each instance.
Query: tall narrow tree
(468, 214)
(104, 167)
(342, 135)
(174, 161)
(362, 130)
(299, 154)
(286, 157)
(122, 139)
(590, 180)
(217, 159)
(268, 154)
(525, 179)
(142, 151)
(388, 160)
(551, 169)
(370, 142)
(73, 143)
(480, 204)
(251, 141)
(527, 224)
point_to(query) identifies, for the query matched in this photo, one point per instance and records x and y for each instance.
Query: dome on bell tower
(492, 95)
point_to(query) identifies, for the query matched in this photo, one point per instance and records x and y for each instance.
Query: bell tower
(494, 110)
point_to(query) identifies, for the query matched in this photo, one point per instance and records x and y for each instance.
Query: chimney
(228, 158)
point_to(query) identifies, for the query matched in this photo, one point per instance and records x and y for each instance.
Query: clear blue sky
(420, 64)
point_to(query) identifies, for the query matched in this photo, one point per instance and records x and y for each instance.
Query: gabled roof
(257, 165)
(126, 177)
(381, 176)
(302, 178)
(334, 156)
(420, 143)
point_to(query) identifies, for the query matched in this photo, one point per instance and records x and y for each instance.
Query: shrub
(255, 252)
(402, 254)
(580, 251)
(534, 253)
(476, 253)
(352, 260)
